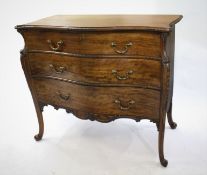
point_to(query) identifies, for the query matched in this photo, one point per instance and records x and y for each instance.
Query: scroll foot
(164, 162)
(173, 125)
(38, 137)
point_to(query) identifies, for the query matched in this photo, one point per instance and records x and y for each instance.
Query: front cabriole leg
(38, 106)
(161, 125)
(163, 161)
(38, 136)
(39, 110)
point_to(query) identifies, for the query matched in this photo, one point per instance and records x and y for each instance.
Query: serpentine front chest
(102, 67)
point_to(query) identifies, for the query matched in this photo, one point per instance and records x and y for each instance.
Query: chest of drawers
(102, 67)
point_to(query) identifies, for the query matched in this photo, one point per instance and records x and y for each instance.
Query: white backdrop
(73, 146)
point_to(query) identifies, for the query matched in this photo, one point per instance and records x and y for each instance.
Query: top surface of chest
(106, 22)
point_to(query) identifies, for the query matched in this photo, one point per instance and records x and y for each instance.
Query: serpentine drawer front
(124, 43)
(136, 72)
(102, 67)
(111, 101)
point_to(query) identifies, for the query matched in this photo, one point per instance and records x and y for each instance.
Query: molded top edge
(162, 23)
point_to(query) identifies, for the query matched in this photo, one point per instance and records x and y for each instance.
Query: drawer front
(120, 43)
(99, 100)
(141, 72)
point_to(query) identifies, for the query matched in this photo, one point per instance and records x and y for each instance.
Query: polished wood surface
(113, 71)
(99, 43)
(100, 100)
(102, 67)
(140, 22)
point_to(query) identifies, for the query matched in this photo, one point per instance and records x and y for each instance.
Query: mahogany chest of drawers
(102, 67)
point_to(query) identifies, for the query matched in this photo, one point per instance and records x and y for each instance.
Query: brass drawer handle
(125, 50)
(122, 107)
(55, 47)
(122, 77)
(63, 96)
(58, 70)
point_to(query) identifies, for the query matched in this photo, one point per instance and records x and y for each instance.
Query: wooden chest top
(107, 22)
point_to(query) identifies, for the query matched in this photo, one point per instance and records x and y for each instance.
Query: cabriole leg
(172, 124)
(40, 122)
(38, 107)
(163, 161)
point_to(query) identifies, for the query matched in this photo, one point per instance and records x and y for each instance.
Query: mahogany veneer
(102, 67)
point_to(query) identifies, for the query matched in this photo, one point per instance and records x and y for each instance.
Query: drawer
(101, 43)
(141, 72)
(122, 101)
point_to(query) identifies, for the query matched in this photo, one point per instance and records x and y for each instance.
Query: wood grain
(91, 70)
(100, 43)
(99, 100)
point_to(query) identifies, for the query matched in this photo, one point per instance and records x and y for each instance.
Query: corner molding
(166, 66)
(165, 57)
